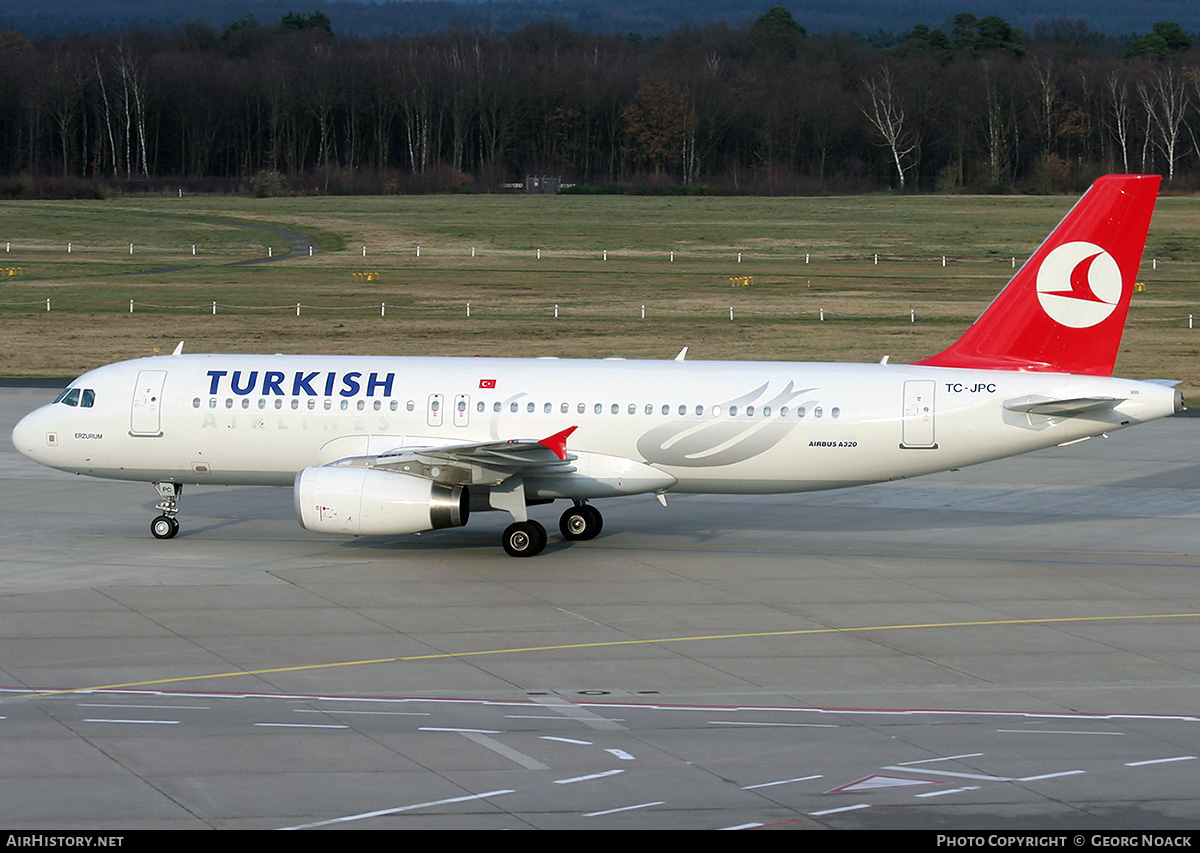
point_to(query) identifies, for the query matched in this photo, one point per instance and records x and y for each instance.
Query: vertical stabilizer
(1065, 309)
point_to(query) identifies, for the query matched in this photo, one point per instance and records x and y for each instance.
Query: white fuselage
(734, 427)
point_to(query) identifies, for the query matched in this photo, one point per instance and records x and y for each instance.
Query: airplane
(380, 446)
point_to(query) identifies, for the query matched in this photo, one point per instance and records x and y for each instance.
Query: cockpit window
(84, 397)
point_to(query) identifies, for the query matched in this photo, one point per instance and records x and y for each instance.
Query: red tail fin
(1064, 310)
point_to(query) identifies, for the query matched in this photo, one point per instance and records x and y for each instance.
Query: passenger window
(564, 408)
(195, 402)
(328, 405)
(649, 408)
(817, 412)
(229, 402)
(295, 403)
(546, 408)
(716, 411)
(766, 411)
(615, 408)
(395, 404)
(783, 411)
(496, 406)
(346, 405)
(666, 409)
(683, 410)
(529, 408)
(362, 404)
(410, 405)
(633, 408)
(699, 410)
(799, 411)
(278, 403)
(262, 402)
(835, 411)
(512, 407)
(312, 404)
(599, 408)
(732, 411)
(479, 407)
(580, 408)
(245, 402)
(749, 411)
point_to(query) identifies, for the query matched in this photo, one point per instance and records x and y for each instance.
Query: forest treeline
(974, 105)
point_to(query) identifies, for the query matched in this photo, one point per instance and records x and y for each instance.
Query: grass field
(513, 293)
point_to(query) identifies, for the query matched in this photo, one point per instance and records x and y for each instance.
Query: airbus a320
(381, 446)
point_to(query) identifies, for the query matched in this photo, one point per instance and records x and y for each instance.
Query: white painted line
(462, 731)
(340, 711)
(620, 753)
(1052, 732)
(780, 782)
(533, 716)
(949, 791)
(400, 809)
(1050, 775)
(566, 740)
(982, 776)
(842, 809)
(1160, 761)
(741, 826)
(299, 726)
(934, 760)
(587, 778)
(626, 809)
(155, 707)
(773, 725)
(147, 722)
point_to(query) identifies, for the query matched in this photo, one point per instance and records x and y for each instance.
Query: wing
(487, 463)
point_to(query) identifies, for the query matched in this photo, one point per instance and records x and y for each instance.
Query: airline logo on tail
(1079, 284)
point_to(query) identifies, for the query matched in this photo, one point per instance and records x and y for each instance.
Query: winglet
(558, 442)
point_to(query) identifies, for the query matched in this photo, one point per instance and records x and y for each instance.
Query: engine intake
(371, 502)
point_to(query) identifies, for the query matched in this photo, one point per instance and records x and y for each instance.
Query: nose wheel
(166, 526)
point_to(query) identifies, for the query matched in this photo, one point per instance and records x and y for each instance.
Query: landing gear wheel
(164, 527)
(580, 523)
(524, 539)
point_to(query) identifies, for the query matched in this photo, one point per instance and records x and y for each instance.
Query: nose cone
(30, 436)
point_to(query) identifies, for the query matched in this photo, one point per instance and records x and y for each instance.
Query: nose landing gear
(166, 526)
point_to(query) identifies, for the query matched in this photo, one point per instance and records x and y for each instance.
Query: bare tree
(1120, 113)
(887, 116)
(1166, 101)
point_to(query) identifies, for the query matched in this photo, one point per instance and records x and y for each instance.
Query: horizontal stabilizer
(1034, 405)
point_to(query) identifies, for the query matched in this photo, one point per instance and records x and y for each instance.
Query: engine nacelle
(371, 502)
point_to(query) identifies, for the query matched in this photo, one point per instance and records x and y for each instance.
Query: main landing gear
(166, 526)
(527, 538)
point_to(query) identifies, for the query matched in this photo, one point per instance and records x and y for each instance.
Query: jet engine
(372, 502)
